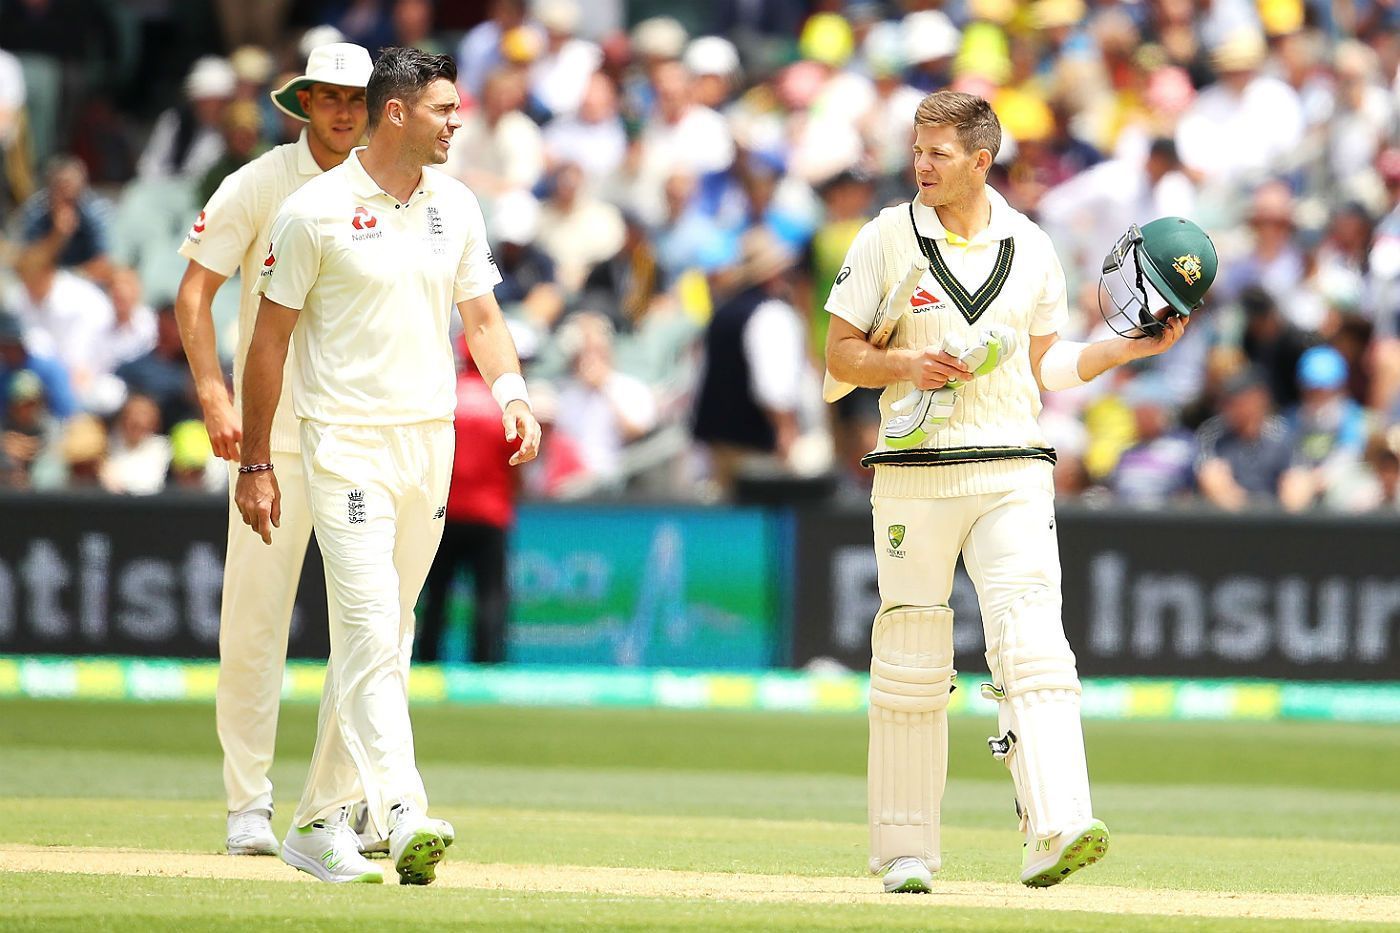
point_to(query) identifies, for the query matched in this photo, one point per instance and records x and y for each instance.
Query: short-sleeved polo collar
(363, 186)
(306, 162)
(999, 227)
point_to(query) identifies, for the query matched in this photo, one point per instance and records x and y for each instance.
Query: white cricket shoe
(415, 844)
(327, 850)
(372, 844)
(250, 833)
(907, 875)
(1049, 861)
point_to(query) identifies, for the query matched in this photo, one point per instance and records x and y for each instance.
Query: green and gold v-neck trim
(972, 304)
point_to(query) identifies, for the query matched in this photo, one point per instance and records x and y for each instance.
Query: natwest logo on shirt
(269, 262)
(365, 222)
(196, 229)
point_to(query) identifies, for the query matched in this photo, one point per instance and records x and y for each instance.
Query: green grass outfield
(659, 820)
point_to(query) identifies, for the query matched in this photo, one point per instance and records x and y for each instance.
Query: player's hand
(519, 421)
(931, 369)
(259, 501)
(1171, 333)
(224, 427)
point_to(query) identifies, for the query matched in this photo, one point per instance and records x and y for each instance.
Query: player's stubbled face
(338, 115)
(432, 120)
(942, 167)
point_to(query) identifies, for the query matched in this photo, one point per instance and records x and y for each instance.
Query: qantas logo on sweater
(923, 299)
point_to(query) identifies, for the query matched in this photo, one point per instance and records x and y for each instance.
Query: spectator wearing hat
(193, 466)
(846, 200)
(627, 283)
(1364, 112)
(679, 136)
(1328, 428)
(747, 404)
(498, 148)
(593, 137)
(242, 144)
(479, 53)
(1159, 466)
(83, 450)
(187, 140)
(15, 357)
(67, 222)
(1246, 124)
(930, 42)
(1274, 260)
(30, 432)
(714, 62)
(1273, 345)
(884, 125)
(528, 289)
(559, 76)
(1243, 453)
(480, 512)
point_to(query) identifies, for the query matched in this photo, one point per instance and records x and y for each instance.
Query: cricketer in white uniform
(975, 479)
(260, 583)
(366, 263)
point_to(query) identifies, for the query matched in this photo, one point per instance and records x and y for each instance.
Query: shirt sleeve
(1051, 313)
(219, 236)
(293, 260)
(476, 273)
(773, 346)
(859, 287)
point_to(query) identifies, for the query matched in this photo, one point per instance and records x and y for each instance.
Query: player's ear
(394, 111)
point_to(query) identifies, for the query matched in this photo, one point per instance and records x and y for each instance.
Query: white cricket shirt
(376, 282)
(231, 235)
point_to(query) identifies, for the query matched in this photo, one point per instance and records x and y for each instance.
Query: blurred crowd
(670, 188)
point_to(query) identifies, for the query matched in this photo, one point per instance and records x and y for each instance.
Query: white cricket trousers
(378, 496)
(260, 586)
(1007, 541)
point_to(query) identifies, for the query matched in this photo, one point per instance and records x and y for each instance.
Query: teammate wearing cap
(366, 263)
(260, 583)
(963, 468)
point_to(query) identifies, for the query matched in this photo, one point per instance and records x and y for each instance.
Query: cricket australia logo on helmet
(1188, 267)
(1155, 272)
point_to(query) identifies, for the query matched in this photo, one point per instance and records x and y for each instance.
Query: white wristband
(1059, 367)
(509, 387)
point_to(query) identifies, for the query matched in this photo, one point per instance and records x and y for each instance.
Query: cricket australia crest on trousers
(895, 534)
(355, 506)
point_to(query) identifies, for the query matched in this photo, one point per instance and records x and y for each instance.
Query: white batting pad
(1041, 741)
(911, 676)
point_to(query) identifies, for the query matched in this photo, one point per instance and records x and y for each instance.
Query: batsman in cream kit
(952, 305)
(366, 264)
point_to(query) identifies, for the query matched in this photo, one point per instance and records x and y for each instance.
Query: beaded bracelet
(255, 467)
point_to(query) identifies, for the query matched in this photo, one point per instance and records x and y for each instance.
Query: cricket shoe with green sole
(373, 844)
(907, 875)
(415, 844)
(327, 849)
(1049, 861)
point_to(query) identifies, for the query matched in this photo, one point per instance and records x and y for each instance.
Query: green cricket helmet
(1154, 273)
